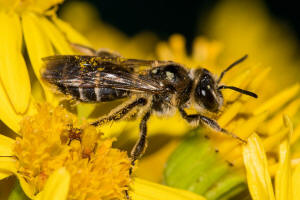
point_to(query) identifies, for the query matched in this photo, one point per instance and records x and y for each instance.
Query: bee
(151, 86)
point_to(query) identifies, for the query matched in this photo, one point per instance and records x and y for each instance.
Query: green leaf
(195, 166)
(17, 193)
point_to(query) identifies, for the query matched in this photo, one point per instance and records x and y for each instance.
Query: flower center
(50, 141)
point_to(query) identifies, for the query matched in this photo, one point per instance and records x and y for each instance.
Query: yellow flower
(55, 159)
(49, 142)
(34, 25)
(258, 176)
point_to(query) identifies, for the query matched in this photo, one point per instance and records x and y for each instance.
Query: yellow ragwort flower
(34, 25)
(93, 170)
(56, 160)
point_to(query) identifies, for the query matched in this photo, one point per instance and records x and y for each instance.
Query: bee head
(207, 92)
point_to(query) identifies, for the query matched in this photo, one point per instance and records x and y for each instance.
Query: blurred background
(165, 17)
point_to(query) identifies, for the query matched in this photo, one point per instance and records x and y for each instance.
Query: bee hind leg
(120, 113)
(140, 146)
(209, 122)
(84, 49)
(92, 52)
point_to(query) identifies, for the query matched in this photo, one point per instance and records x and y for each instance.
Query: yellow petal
(7, 167)
(177, 44)
(164, 52)
(7, 164)
(6, 146)
(14, 75)
(273, 168)
(84, 110)
(56, 37)
(255, 83)
(283, 184)
(146, 190)
(278, 100)
(283, 177)
(158, 125)
(8, 4)
(38, 46)
(238, 81)
(276, 123)
(57, 186)
(70, 32)
(27, 187)
(258, 178)
(229, 114)
(158, 159)
(296, 134)
(7, 113)
(242, 130)
(37, 43)
(274, 140)
(296, 183)
(43, 5)
(4, 174)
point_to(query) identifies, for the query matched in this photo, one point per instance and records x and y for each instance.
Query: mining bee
(151, 86)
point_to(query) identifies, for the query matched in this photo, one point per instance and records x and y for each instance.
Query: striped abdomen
(93, 94)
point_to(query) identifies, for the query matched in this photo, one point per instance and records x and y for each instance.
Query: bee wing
(121, 80)
(96, 72)
(106, 60)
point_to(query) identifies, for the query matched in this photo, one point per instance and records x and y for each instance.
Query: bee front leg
(140, 146)
(209, 122)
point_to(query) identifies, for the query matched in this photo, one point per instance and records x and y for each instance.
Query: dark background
(155, 14)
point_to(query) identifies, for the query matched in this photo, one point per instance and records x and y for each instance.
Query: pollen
(51, 140)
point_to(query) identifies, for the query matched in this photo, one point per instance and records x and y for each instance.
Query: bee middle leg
(210, 122)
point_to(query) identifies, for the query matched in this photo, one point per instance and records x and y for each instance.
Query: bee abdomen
(95, 94)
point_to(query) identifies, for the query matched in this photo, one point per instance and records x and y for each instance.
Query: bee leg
(120, 113)
(210, 122)
(92, 52)
(107, 53)
(84, 49)
(140, 146)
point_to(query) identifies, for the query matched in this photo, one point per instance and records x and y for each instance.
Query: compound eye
(205, 95)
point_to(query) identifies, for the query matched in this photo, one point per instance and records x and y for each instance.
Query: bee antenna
(246, 92)
(231, 66)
